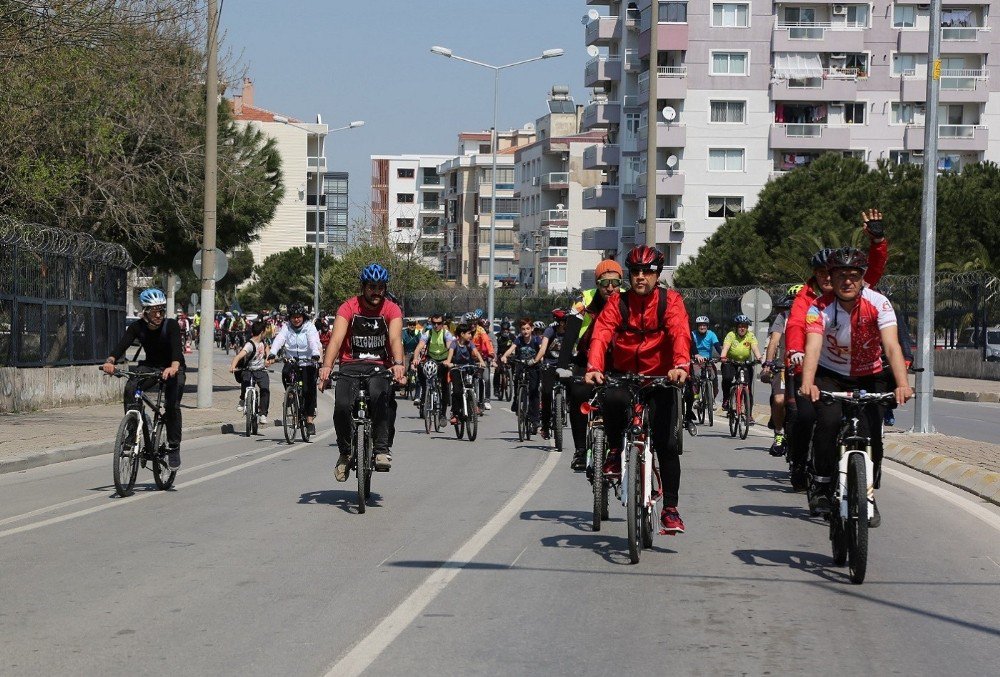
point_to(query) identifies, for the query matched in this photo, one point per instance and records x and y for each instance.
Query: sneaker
(778, 447)
(613, 463)
(875, 521)
(799, 479)
(241, 407)
(174, 458)
(311, 428)
(579, 461)
(725, 405)
(453, 420)
(545, 433)
(671, 521)
(889, 418)
(342, 470)
(262, 420)
(486, 406)
(819, 502)
(383, 462)
(416, 401)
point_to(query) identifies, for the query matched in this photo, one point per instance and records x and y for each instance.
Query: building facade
(334, 197)
(704, 102)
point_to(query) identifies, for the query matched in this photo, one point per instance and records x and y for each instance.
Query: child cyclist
(461, 352)
(254, 372)
(738, 345)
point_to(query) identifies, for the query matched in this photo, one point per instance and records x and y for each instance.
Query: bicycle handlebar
(856, 396)
(124, 373)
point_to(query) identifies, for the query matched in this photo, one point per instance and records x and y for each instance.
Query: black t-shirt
(555, 344)
(161, 346)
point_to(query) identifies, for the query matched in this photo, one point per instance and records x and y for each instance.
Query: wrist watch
(397, 363)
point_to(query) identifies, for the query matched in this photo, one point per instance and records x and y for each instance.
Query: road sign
(177, 283)
(756, 304)
(221, 264)
(194, 297)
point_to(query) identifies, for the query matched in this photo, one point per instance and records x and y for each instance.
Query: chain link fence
(62, 296)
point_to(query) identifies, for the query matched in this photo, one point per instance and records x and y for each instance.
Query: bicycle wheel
(857, 518)
(128, 446)
(289, 415)
(743, 417)
(250, 412)
(522, 418)
(459, 425)
(634, 508)
(838, 538)
(597, 477)
(557, 419)
(731, 412)
(162, 474)
(439, 418)
(472, 425)
(428, 406)
(360, 448)
(699, 407)
(709, 393)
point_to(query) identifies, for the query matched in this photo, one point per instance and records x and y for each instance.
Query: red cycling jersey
(852, 341)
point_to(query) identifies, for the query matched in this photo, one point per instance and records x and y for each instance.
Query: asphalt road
(478, 559)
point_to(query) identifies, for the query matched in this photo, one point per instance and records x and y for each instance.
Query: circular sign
(177, 283)
(221, 264)
(194, 299)
(756, 304)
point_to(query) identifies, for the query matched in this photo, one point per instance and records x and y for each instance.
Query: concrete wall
(44, 387)
(965, 364)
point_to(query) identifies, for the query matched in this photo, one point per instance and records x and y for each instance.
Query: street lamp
(319, 178)
(547, 54)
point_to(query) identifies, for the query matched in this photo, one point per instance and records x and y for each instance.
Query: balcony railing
(554, 178)
(804, 131)
(555, 215)
(644, 82)
(962, 33)
(957, 131)
(672, 71)
(632, 60)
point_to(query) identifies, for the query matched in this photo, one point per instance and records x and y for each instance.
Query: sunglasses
(375, 286)
(645, 270)
(157, 311)
(609, 282)
(437, 323)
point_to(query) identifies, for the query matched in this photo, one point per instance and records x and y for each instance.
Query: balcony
(598, 239)
(671, 135)
(671, 83)
(600, 197)
(669, 182)
(555, 181)
(432, 208)
(818, 136)
(972, 138)
(818, 36)
(601, 156)
(967, 85)
(603, 30)
(555, 217)
(312, 161)
(669, 230)
(602, 69)
(601, 115)
(631, 191)
(431, 182)
(836, 84)
(954, 40)
(673, 36)
(632, 61)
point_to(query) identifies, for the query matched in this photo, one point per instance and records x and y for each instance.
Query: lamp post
(547, 54)
(319, 182)
(207, 337)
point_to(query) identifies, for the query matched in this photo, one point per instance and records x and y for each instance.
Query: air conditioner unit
(916, 153)
(839, 9)
(838, 56)
(677, 226)
(923, 6)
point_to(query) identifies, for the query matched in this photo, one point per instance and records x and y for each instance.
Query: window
(902, 157)
(798, 16)
(904, 16)
(404, 223)
(673, 12)
(854, 113)
(729, 63)
(724, 207)
(729, 112)
(857, 16)
(902, 113)
(505, 237)
(558, 243)
(858, 154)
(505, 205)
(485, 148)
(904, 64)
(337, 218)
(404, 198)
(725, 159)
(404, 247)
(404, 173)
(337, 201)
(505, 177)
(730, 15)
(557, 273)
(429, 249)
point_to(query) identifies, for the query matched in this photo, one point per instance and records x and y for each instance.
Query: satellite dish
(672, 161)
(669, 114)
(593, 14)
(593, 51)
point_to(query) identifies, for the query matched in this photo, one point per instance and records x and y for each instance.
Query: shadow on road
(577, 519)
(788, 511)
(613, 549)
(779, 488)
(341, 498)
(814, 563)
(753, 474)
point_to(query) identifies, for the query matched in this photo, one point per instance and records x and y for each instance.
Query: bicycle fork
(841, 493)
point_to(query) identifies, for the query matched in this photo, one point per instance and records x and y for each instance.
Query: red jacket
(795, 328)
(653, 353)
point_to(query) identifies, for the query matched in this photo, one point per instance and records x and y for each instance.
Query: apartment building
(467, 181)
(704, 102)
(407, 207)
(334, 198)
(550, 179)
(301, 146)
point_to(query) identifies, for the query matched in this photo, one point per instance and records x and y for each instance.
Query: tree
(339, 280)
(283, 278)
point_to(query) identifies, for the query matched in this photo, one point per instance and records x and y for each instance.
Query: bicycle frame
(463, 387)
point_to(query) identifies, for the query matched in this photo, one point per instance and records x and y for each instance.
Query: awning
(797, 65)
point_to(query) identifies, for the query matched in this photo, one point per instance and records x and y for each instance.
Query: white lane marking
(364, 653)
(132, 499)
(987, 516)
(518, 557)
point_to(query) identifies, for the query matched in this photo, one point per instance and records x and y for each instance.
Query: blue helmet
(742, 319)
(152, 297)
(478, 313)
(375, 273)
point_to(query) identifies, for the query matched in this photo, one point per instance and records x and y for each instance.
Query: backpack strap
(661, 313)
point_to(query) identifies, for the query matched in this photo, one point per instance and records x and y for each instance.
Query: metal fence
(62, 296)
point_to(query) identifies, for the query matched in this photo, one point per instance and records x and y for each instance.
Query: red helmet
(558, 314)
(642, 256)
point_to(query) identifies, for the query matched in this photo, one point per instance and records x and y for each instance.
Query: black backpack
(244, 362)
(661, 311)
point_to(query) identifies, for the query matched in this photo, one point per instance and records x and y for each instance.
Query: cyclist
(845, 337)
(528, 347)
(367, 338)
(647, 330)
(795, 333)
(505, 336)
(410, 338)
(434, 342)
(485, 346)
(301, 343)
(196, 327)
(160, 338)
(552, 342)
(703, 343)
(255, 351)
(461, 352)
(739, 345)
(775, 351)
(608, 279)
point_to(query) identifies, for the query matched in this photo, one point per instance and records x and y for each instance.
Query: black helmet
(296, 308)
(505, 325)
(819, 259)
(847, 257)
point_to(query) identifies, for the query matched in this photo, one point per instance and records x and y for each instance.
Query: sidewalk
(51, 435)
(966, 389)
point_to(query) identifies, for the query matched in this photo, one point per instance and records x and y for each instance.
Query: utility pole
(651, 125)
(207, 337)
(928, 233)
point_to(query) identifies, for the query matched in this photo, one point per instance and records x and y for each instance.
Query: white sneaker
(240, 407)
(486, 406)
(262, 420)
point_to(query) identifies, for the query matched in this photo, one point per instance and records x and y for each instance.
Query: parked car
(972, 338)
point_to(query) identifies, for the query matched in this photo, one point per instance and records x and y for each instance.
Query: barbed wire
(60, 242)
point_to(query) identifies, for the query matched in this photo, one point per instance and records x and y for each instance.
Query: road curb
(88, 449)
(979, 481)
(966, 396)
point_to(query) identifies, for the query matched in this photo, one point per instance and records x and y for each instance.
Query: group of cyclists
(833, 332)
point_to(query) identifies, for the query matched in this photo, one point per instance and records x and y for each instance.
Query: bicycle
(558, 414)
(777, 367)
(468, 418)
(595, 454)
(704, 393)
(140, 441)
(252, 404)
(431, 408)
(362, 443)
(855, 472)
(292, 419)
(522, 400)
(741, 400)
(505, 387)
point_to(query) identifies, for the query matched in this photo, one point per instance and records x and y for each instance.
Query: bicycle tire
(439, 418)
(162, 474)
(857, 518)
(125, 464)
(472, 425)
(300, 418)
(632, 480)
(360, 447)
(731, 412)
(743, 417)
(700, 407)
(289, 415)
(428, 408)
(522, 419)
(710, 404)
(249, 412)
(557, 415)
(597, 477)
(459, 427)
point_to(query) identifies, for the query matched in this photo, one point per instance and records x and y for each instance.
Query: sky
(370, 60)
